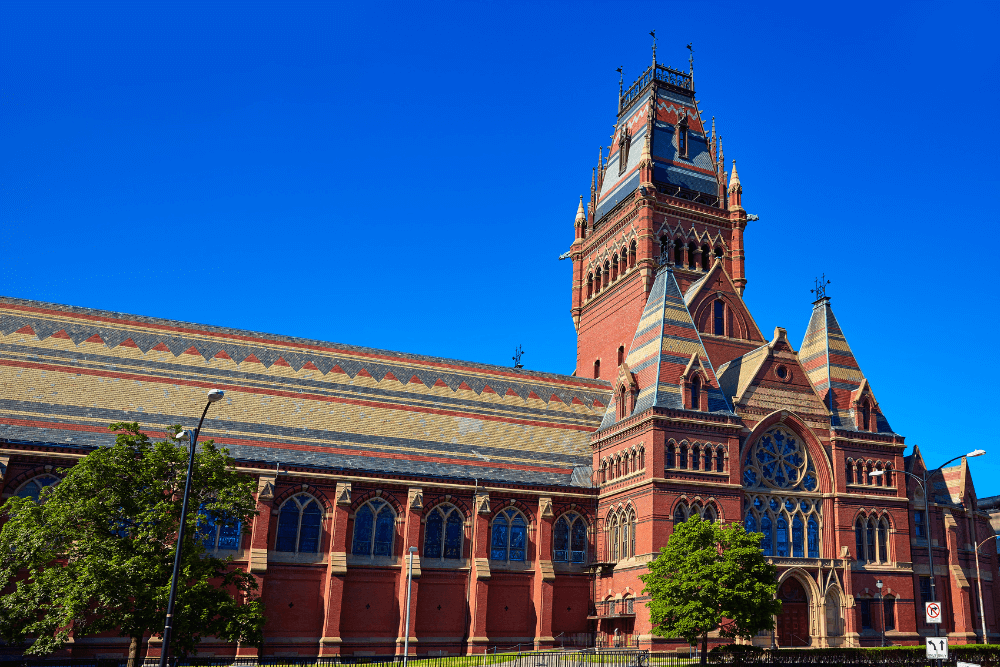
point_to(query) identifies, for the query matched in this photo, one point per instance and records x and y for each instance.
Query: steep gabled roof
(665, 347)
(832, 368)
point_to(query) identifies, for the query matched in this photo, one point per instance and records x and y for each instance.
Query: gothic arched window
(813, 537)
(374, 529)
(695, 452)
(671, 455)
(683, 463)
(797, 535)
(696, 395)
(569, 539)
(299, 522)
(33, 487)
(883, 540)
(866, 414)
(719, 317)
(708, 459)
(679, 253)
(706, 258)
(509, 541)
(614, 267)
(218, 534)
(631, 255)
(443, 533)
(859, 539)
(680, 516)
(871, 553)
(720, 461)
(590, 285)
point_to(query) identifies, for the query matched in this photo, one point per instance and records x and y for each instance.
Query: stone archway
(793, 622)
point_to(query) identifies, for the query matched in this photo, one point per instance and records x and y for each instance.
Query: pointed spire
(581, 214)
(735, 190)
(734, 180)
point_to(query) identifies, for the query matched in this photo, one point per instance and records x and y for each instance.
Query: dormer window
(682, 137)
(866, 415)
(696, 393)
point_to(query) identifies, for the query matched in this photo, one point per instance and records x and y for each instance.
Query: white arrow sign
(933, 610)
(937, 648)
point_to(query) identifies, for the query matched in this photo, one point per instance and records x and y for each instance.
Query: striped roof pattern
(665, 340)
(67, 372)
(831, 366)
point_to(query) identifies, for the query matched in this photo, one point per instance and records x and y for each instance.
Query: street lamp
(927, 518)
(409, 584)
(979, 583)
(881, 605)
(214, 396)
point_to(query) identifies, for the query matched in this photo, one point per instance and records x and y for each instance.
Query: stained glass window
(454, 529)
(385, 524)
(813, 535)
(870, 531)
(432, 535)
(374, 529)
(797, 544)
(443, 532)
(510, 537)
(221, 535)
(569, 539)
(299, 523)
(33, 488)
(767, 543)
(883, 541)
(859, 540)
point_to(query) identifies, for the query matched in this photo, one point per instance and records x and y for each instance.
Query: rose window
(779, 460)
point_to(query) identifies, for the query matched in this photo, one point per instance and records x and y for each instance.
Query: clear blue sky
(405, 176)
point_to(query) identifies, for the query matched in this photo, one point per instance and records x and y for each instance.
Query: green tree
(709, 577)
(95, 552)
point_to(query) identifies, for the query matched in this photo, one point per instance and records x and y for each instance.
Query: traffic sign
(933, 610)
(937, 648)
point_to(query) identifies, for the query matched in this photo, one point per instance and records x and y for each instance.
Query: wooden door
(793, 621)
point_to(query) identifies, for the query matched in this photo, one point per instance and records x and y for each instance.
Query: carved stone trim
(265, 487)
(343, 493)
(545, 508)
(482, 503)
(415, 499)
(258, 561)
(547, 570)
(338, 562)
(482, 568)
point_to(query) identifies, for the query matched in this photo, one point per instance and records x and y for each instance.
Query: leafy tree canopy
(709, 577)
(95, 552)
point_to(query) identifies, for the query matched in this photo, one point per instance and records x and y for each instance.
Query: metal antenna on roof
(518, 351)
(820, 290)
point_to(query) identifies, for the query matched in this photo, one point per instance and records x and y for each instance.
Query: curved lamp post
(979, 584)
(927, 518)
(214, 396)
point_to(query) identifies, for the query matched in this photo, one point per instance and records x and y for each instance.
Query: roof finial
(581, 215)
(652, 33)
(820, 290)
(734, 178)
(690, 47)
(621, 81)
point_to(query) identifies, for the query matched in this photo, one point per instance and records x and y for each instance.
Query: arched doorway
(793, 621)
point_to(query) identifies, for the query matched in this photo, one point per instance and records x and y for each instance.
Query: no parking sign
(933, 610)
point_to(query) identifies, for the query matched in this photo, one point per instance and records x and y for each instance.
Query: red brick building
(535, 500)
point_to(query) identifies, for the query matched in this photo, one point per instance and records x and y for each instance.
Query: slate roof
(831, 366)
(665, 340)
(695, 172)
(66, 372)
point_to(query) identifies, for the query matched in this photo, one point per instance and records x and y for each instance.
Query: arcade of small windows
(620, 263)
(779, 477)
(859, 471)
(33, 487)
(569, 539)
(871, 539)
(620, 528)
(374, 529)
(444, 529)
(622, 464)
(691, 255)
(509, 537)
(683, 512)
(698, 456)
(299, 521)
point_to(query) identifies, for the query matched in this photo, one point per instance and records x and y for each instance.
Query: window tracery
(299, 521)
(509, 536)
(779, 461)
(569, 539)
(374, 529)
(33, 487)
(443, 533)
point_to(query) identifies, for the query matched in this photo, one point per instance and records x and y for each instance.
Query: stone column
(851, 636)
(686, 261)
(336, 571)
(480, 574)
(411, 538)
(545, 575)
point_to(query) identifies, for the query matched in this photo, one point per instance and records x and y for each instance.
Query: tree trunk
(133, 652)
(704, 649)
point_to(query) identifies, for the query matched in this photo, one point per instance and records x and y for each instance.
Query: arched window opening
(888, 476)
(750, 523)
(798, 546)
(877, 480)
(597, 282)
(680, 516)
(597, 369)
(866, 414)
(812, 531)
(695, 510)
(569, 539)
(443, 533)
(849, 471)
(590, 285)
(634, 461)
(621, 355)
(623, 266)
(883, 541)
(679, 253)
(622, 406)
(708, 459)
(374, 529)
(834, 624)
(607, 273)
(719, 317)
(683, 463)
(33, 487)
(695, 457)
(860, 478)
(632, 526)
(871, 554)
(642, 458)
(889, 613)
(720, 460)
(510, 537)
(299, 522)
(671, 455)
(613, 537)
(692, 249)
(631, 255)
(626, 536)
(781, 535)
(718, 252)
(696, 392)
(859, 539)
(614, 267)
(710, 514)
(706, 258)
